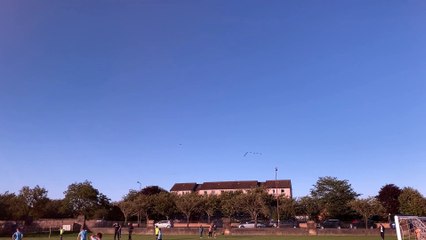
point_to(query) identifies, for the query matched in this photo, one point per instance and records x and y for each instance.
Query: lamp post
(139, 213)
(278, 196)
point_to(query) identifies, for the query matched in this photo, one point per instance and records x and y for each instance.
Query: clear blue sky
(160, 92)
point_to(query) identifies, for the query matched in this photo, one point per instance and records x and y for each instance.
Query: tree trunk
(187, 220)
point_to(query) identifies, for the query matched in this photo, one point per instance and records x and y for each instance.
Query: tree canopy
(333, 196)
(329, 198)
(412, 202)
(388, 197)
(367, 208)
(84, 199)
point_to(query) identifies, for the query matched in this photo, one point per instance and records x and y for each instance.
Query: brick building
(273, 187)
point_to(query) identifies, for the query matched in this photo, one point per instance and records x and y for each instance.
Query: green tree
(144, 205)
(128, 205)
(35, 200)
(412, 202)
(333, 196)
(287, 207)
(388, 197)
(367, 208)
(152, 190)
(188, 204)
(211, 205)
(103, 207)
(127, 208)
(7, 203)
(54, 209)
(165, 204)
(228, 203)
(84, 199)
(116, 214)
(254, 202)
(308, 206)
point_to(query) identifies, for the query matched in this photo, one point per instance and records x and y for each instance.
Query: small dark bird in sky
(253, 153)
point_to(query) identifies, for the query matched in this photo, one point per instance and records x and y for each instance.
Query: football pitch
(221, 237)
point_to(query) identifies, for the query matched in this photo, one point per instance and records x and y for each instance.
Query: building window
(205, 192)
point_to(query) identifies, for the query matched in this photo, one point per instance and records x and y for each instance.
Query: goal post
(410, 227)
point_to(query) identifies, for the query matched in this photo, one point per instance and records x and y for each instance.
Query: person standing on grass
(210, 230)
(156, 230)
(200, 231)
(160, 234)
(116, 228)
(17, 235)
(119, 231)
(82, 235)
(61, 232)
(130, 230)
(382, 231)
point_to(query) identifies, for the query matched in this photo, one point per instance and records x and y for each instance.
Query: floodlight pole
(139, 213)
(276, 192)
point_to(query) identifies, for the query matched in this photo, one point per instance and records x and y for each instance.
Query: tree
(127, 208)
(333, 196)
(287, 207)
(7, 201)
(367, 208)
(388, 197)
(128, 205)
(35, 200)
(165, 204)
(211, 205)
(103, 207)
(228, 203)
(116, 214)
(144, 205)
(54, 209)
(83, 198)
(411, 202)
(254, 203)
(308, 206)
(152, 190)
(188, 204)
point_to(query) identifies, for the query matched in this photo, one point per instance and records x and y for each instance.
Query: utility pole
(278, 196)
(139, 213)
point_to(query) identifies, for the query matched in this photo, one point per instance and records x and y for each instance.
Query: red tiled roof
(228, 185)
(277, 184)
(183, 187)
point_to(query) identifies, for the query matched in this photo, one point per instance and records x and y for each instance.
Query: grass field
(223, 237)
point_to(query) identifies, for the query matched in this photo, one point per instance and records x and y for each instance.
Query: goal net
(410, 227)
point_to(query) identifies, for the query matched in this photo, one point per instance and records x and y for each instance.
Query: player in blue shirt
(17, 235)
(82, 235)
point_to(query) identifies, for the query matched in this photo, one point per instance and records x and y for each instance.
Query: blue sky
(160, 92)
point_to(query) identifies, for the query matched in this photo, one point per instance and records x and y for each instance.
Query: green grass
(222, 237)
